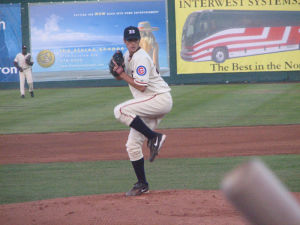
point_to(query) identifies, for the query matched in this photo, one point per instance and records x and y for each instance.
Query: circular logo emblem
(141, 70)
(45, 58)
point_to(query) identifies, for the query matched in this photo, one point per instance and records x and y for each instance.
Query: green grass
(59, 110)
(235, 105)
(30, 182)
(91, 109)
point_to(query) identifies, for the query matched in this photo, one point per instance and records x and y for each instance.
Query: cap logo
(131, 31)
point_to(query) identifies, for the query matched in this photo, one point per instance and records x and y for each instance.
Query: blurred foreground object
(260, 196)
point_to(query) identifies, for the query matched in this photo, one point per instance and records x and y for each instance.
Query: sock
(139, 170)
(140, 126)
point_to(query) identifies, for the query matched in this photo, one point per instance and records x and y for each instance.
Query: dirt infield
(157, 207)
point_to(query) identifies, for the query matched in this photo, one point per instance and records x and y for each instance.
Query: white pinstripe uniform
(150, 105)
(20, 59)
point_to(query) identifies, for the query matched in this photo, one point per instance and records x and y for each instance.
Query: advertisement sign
(237, 36)
(75, 41)
(10, 41)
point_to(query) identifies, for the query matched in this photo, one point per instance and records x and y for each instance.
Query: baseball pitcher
(151, 101)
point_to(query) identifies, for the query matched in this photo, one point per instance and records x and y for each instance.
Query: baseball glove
(116, 64)
(28, 60)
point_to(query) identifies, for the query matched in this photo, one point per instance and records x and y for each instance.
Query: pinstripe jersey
(142, 69)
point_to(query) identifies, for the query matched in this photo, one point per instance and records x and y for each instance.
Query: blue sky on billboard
(91, 23)
(83, 36)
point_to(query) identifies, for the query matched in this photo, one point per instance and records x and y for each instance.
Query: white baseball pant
(151, 110)
(28, 75)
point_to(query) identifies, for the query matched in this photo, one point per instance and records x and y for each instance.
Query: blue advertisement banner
(75, 41)
(10, 41)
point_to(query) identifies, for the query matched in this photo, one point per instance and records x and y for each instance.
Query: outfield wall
(265, 67)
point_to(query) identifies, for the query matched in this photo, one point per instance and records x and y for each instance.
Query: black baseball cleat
(22, 96)
(155, 145)
(31, 94)
(138, 189)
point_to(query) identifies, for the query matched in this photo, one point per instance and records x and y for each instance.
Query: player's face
(24, 51)
(132, 45)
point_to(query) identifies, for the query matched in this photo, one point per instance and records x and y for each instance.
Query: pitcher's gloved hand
(116, 64)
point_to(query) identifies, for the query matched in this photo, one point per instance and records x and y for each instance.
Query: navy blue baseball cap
(131, 32)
